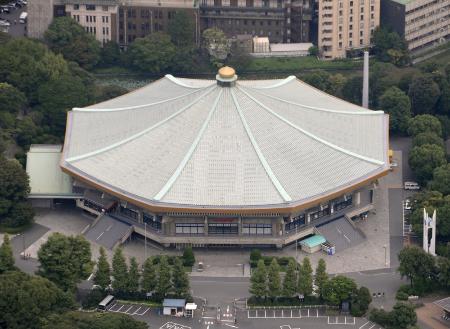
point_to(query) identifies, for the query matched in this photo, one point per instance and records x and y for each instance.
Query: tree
(403, 316)
(313, 51)
(424, 123)
(424, 93)
(321, 276)
(258, 284)
(103, 273)
(352, 90)
(425, 159)
(12, 100)
(290, 280)
(273, 279)
(164, 285)
(94, 320)
(390, 47)
(65, 260)
(415, 263)
(152, 54)
(338, 289)
(180, 279)
(65, 36)
(149, 276)
(441, 179)
(443, 265)
(133, 277)
(217, 44)
(305, 278)
(110, 54)
(181, 30)
(119, 272)
(15, 211)
(427, 138)
(397, 104)
(361, 302)
(6, 256)
(26, 299)
(188, 257)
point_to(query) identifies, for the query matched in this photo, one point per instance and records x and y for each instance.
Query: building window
(297, 221)
(257, 229)
(350, 43)
(76, 7)
(233, 3)
(249, 3)
(222, 228)
(105, 8)
(87, 19)
(361, 42)
(128, 212)
(90, 7)
(189, 228)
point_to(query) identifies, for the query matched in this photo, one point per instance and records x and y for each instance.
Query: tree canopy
(149, 276)
(397, 104)
(338, 289)
(153, 53)
(6, 255)
(65, 260)
(26, 300)
(273, 279)
(424, 94)
(12, 100)
(217, 44)
(425, 159)
(258, 280)
(181, 30)
(415, 264)
(424, 123)
(390, 47)
(321, 276)
(180, 279)
(119, 272)
(15, 211)
(65, 36)
(103, 273)
(305, 278)
(290, 280)
(441, 180)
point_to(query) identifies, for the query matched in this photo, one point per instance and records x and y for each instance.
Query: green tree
(415, 263)
(25, 300)
(352, 90)
(119, 272)
(133, 277)
(423, 124)
(65, 36)
(164, 285)
(15, 211)
(188, 257)
(103, 273)
(12, 100)
(443, 265)
(424, 93)
(290, 280)
(258, 280)
(305, 278)
(321, 276)
(403, 316)
(65, 260)
(361, 301)
(273, 279)
(180, 279)
(427, 138)
(95, 320)
(397, 104)
(181, 30)
(152, 54)
(425, 159)
(27, 63)
(338, 289)
(217, 45)
(6, 256)
(149, 276)
(110, 54)
(441, 180)
(390, 47)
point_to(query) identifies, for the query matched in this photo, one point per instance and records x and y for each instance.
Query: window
(76, 7)
(350, 43)
(350, 35)
(361, 42)
(90, 7)
(128, 212)
(361, 33)
(233, 3)
(350, 27)
(105, 8)
(87, 19)
(217, 3)
(249, 3)
(257, 229)
(93, 17)
(222, 228)
(189, 228)
(296, 222)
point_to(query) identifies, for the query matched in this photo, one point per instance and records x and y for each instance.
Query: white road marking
(90, 277)
(172, 325)
(144, 311)
(100, 235)
(364, 325)
(120, 308)
(109, 227)
(135, 312)
(372, 326)
(230, 325)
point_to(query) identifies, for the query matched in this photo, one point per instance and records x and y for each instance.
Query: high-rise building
(423, 23)
(346, 26)
(279, 20)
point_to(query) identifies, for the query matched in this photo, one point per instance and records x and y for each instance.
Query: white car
(407, 204)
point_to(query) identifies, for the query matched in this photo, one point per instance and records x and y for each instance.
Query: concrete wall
(40, 15)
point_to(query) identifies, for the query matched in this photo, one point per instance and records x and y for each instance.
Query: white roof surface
(193, 143)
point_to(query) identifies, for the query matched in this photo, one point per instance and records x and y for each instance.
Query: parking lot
(130, 309)
(292, 313)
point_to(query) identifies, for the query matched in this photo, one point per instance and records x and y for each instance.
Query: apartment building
(423, 23)
(279, 20)
(137, 18)
(346, 26)
(98, 17)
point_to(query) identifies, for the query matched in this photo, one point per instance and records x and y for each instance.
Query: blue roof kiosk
(174, 307)
(313, 243)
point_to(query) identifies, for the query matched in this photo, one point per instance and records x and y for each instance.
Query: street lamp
(145, 240)
(385, 255)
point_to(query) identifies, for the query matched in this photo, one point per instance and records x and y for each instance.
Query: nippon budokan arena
(222, 162)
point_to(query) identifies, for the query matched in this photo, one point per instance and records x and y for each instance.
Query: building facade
(423, 23)
(279, 20)
(346, 26)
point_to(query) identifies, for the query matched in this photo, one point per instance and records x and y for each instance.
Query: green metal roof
(403, 2)
(313, 241)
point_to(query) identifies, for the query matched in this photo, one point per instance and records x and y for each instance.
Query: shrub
(381, 317)
(255, 255)
(401, 295)
(188, 257)
(94, 297)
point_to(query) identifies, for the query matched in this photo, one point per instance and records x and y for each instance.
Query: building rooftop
(313, 241)
(404, 2)
(186, 143)
(167, 302)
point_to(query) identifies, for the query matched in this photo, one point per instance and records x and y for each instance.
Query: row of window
(190, 228)
(89, 7)
(257, 229)
(235, 3)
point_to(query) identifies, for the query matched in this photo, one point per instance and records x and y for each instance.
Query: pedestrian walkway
(341, 233)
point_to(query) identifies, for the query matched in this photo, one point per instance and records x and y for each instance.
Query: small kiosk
(190, 308)
(174, 307)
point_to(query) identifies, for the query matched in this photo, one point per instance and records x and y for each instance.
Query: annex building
(225, 161)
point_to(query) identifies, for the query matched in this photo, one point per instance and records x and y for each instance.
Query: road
(15, 30)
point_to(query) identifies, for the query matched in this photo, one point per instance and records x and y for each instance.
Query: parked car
(412, 186)
(5, 9)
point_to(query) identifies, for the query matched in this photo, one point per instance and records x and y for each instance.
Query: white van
(412, 186)
(23, 17)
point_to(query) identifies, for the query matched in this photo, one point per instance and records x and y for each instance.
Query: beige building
(346, 26)
(423, 23)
